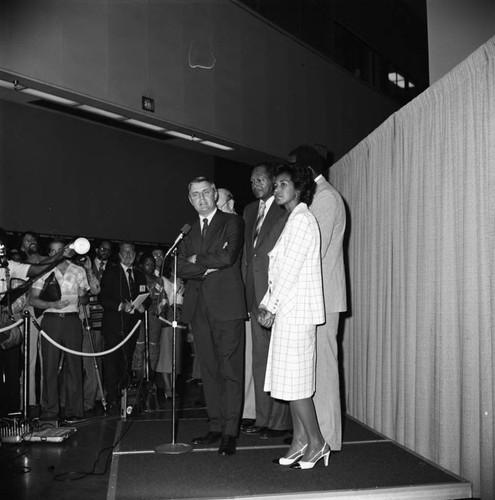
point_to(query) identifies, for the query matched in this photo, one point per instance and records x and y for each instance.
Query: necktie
(259, 221)
(101, 268)
(205, 228)
(131, 281)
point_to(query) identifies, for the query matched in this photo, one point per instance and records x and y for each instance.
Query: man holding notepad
(120, 286)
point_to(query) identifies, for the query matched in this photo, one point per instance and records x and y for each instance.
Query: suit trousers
(34, 359)
(117, 366)
(249, 410)
(270, 412)
(67, 331)
(220, 347)
(327, 393)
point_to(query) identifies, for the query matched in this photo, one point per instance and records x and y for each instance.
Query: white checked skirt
(290, 370)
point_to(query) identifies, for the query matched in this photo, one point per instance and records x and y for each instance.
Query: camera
(4, 262)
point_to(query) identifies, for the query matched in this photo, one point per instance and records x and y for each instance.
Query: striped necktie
(259, 221)
(131, 282)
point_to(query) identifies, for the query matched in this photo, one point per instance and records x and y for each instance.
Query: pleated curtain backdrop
(419, 345)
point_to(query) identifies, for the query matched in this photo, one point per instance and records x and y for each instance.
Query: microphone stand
(148, 397)
(173, 448)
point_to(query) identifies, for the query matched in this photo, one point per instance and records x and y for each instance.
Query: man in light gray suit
(264, 221)
(329, 210)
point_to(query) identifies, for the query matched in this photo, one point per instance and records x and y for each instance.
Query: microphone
(80, 246)
(183, 233)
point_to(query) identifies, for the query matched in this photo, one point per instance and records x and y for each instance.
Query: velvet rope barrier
(91, 354)
(13, 325)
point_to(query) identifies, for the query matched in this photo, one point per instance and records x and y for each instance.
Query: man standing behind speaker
(264, 221)
(329, 210)
(214, 304)
(120, 285)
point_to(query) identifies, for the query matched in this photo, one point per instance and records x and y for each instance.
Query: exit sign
(148, 104)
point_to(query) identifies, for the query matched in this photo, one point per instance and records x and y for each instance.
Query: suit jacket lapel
(212, 227)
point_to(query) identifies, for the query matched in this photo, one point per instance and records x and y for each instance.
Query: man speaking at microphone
(214, 304)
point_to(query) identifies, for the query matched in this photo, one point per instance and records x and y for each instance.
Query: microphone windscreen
(185, 229)
(80, 246)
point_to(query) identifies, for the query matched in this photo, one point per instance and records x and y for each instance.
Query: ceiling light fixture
(101, 112)
(7, 85)
(149, 126)
(182, 135)
(217, 146)
(44, 95)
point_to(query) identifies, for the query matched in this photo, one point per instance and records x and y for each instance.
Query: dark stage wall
(63, 175)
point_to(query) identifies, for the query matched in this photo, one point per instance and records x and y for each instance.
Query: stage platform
(369, 466)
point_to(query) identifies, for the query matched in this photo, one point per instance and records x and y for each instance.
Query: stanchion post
(146, 360)
(25, 374)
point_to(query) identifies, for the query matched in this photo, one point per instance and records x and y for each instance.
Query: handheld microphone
(80, 246)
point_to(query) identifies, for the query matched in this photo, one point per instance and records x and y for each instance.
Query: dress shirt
(209, 217)
(268, 204)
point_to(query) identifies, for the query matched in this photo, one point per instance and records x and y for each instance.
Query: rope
(91, 354)
(13, 325)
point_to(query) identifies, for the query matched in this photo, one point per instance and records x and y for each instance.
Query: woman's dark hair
(302, 178)
(143, 257)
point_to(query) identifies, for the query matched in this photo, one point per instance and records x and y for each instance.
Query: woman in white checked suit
(294, 306)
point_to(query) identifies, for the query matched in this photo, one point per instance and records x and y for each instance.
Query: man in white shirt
(13, 275)
(61, 322)
(225, 201)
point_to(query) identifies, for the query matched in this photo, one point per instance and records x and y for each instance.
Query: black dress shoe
(227, 446)
(210, 438)
(273, 433)
(247, 422)
(254, 429)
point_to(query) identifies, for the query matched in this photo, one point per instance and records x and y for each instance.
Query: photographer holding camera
(12, 302)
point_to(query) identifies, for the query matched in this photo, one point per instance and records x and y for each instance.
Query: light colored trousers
(327, 394)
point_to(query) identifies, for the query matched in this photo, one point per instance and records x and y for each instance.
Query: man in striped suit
(264, 221)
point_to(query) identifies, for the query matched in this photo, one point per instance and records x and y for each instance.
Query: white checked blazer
(295, 289)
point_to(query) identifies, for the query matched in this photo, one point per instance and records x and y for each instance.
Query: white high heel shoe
(323, 453)
(291, 458)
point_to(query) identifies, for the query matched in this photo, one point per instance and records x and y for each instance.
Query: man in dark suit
(120, 285)
(214, 304)
(264, 221)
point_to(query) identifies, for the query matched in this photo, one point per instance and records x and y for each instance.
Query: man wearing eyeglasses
(226, 201)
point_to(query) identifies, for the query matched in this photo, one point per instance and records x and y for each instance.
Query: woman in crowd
(293, 305)
(158, 299)
(166, 348)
